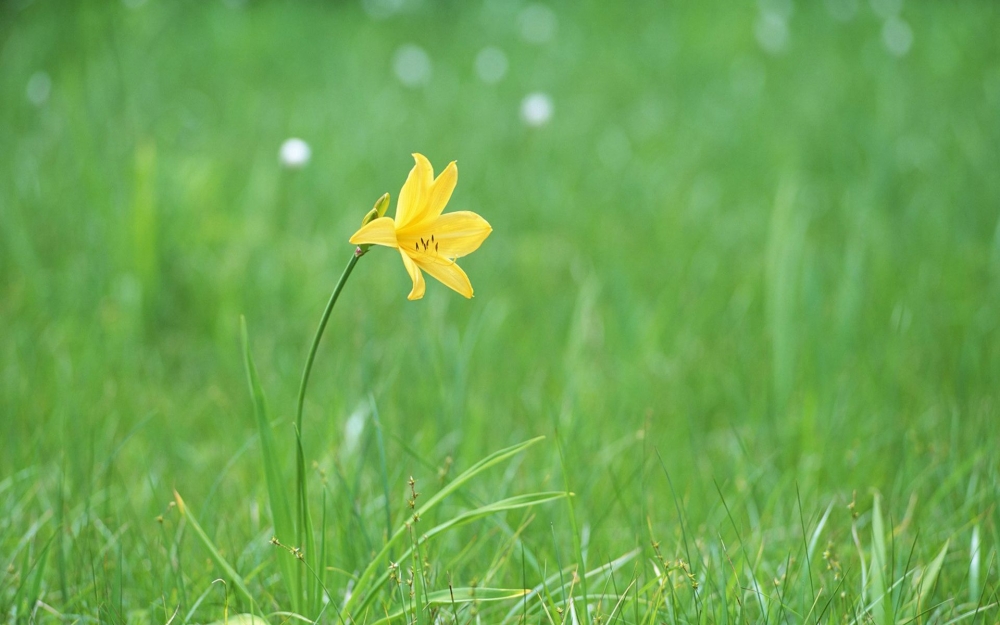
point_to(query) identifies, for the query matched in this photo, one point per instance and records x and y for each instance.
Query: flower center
(426, 245)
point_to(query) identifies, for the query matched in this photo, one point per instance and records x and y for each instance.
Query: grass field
(745, 281)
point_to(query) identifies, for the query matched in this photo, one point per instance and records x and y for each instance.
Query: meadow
(744, 279)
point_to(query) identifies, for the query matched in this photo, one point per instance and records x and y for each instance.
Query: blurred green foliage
(758, 240)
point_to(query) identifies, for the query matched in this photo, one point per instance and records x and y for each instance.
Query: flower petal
(412, 201)
(459, 233)
(418, 279)
(381, 231)
(441, 190)
(450, 274)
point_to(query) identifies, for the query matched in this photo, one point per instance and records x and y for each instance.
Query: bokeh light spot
(536, 109)
(491, 65)
(381, 9)
(897, 36)
(295, 153)
(537, 23)
(771, 31)
(39, 88)
(412, 65)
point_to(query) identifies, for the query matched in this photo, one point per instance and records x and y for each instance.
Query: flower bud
(381, 205)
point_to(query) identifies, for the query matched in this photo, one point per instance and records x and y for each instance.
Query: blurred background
(758, 240)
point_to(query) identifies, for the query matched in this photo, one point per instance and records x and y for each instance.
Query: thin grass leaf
(861, 558)
(615, 611)
(35, 585)
(543, 588)
(32, 577)
(974, 564)
(420, 600)
(512, 503)
(577, 546)
(461, 595)
(242, 619)
(321, 569)
(23, 543)
(197, 603)
(210, 547)
(930, 575)
(878, 598)
(814, 540)
(281, 512)
(305, 527)
(361, 589)
(971, 613)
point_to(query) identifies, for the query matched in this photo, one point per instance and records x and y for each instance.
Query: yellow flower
(426, 239)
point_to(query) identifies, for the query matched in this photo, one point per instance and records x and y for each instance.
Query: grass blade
(877, 598)
(462, 595)
(974, 564)
(305, 530)
(818, 532)
(32, 577)
(505, 505)
(277, 495)
(210, 547)
(361, 589)
(577, 546)
(420, 602)
(930, 575)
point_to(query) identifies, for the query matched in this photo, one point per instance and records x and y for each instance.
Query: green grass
(751, 300)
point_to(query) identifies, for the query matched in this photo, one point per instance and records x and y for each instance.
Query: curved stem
(319, 335)
(303, 525)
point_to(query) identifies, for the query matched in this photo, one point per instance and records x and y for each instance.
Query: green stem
(319, 335)
(300, 482)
